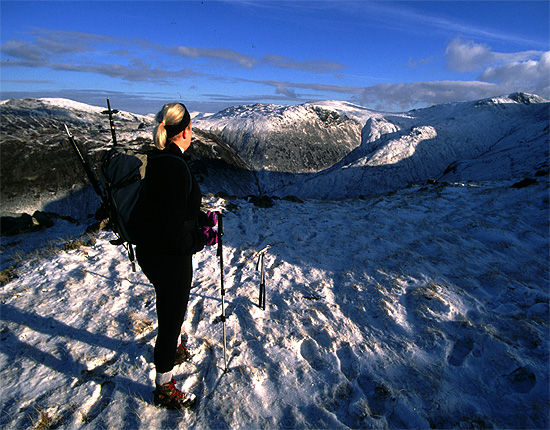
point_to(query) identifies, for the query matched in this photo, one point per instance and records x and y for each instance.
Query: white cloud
(499, 73)
(92, 53)
(220, 54)
(527, 70)
(319, 66)
(468, 56)
(532, 74)
(415, 94)
(413, 64)
(281, 89)
(402, 96)
(513, 73)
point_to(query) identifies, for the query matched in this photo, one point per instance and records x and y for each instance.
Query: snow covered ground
(427, 308)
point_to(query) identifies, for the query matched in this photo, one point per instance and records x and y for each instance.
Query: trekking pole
(220, 254)
(86, 165)
(111, 123)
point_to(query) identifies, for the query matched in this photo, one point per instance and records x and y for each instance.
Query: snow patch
(427, 308)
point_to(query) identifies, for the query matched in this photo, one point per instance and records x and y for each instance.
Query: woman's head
(173, 119)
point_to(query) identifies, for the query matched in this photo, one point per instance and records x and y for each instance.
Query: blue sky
(391, 56)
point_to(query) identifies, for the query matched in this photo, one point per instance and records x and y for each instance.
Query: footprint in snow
(349, 364)
(460, 351)
(378, 395)
(196, 314)
(523, 380)
(310, 351)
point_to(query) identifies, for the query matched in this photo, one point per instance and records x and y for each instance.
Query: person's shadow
(60, 360)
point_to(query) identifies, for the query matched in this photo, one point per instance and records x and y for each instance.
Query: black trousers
(171, 275)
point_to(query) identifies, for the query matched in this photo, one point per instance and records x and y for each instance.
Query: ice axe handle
(86, 165)
(111, 123)
(261, 304)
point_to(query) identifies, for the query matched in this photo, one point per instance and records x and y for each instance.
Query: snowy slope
(487, 139)
(427, 308)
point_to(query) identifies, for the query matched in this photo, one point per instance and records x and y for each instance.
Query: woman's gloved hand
(208, 219)
(211, 235)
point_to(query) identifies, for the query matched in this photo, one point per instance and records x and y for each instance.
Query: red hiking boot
(182, 354)
(168, 396)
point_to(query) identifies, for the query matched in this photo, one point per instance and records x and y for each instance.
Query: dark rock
(261, 201)
(525, 183)
(13, 224)
(293, 199)
(44, 219)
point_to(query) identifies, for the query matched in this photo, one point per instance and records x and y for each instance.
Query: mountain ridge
(342, 150)
(40, 171)
(511, 133)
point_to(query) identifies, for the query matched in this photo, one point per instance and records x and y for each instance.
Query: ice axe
(111, 123)
(261, 263)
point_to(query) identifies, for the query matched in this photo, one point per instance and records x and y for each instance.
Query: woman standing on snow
(174, 229)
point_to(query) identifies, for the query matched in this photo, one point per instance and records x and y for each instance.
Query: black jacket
(170, 210)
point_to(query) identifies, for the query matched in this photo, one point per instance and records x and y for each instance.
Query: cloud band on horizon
(499, 73)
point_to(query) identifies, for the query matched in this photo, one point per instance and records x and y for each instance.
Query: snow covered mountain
(296, 139)
(496, 138)
(324, 150)
(487, 139)
(40, 171)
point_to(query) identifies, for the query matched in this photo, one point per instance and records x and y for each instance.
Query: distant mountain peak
(517, 97)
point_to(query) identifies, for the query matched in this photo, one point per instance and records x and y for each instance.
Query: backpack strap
(160, 154)
(189, 224)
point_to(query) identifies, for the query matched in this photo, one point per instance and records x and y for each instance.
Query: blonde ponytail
(159, 136)
(171, 113)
